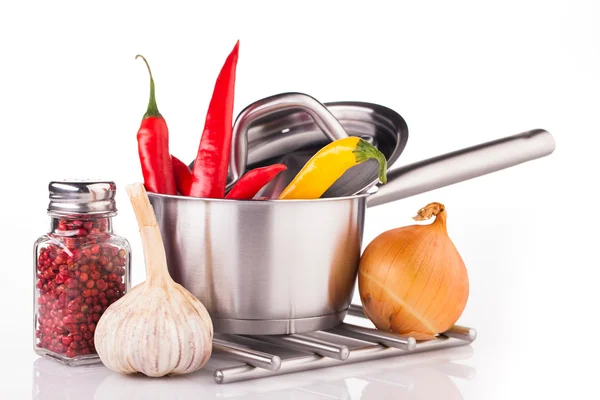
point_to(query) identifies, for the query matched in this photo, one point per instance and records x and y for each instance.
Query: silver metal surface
(356, 311)
(82, 197)
(463, 164)
(328, 124)
(245, 354)
(313, 361)
(457, 331)
(289, 266)
(308, 344)
(292, 138)
(276, 326)
(281, 134)
(462, 332)
(359, 351)
(264, 267)
(388, 339)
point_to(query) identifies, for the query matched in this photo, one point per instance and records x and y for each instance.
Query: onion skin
(412, 280)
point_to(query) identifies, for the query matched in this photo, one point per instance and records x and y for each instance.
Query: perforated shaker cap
(82, 197)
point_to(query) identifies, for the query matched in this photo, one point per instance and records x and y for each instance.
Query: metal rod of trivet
(461, 332)
(314, 361)
(406, 343)
(245, 354)
(356, 311)
(308, 344)
(457, 331)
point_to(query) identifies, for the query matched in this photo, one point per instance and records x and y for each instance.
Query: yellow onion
(412, 280)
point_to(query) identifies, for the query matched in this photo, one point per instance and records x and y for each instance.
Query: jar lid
(82, 197)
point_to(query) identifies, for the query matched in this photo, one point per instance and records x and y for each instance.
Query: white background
(460, 73)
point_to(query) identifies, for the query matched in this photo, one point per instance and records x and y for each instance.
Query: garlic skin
(158, 327)
(156, 331)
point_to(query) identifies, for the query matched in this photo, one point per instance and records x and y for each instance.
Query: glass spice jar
(80, 268)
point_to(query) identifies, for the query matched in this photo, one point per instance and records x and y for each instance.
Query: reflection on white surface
(418, 382)
(418, 376)
(53, 381)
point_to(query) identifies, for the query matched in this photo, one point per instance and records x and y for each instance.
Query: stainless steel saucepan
(289, 266)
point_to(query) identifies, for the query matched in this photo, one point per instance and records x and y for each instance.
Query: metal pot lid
(292, 137)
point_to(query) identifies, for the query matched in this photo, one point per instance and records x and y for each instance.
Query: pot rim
(269, 201)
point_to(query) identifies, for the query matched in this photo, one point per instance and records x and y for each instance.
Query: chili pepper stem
(153, 147)
(152, 110)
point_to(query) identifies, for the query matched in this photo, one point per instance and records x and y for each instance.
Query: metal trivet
(264, 356)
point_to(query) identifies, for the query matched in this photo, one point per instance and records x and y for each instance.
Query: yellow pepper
(325, 167)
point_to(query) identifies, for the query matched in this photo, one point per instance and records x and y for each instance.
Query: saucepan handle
(463, 164)
(323, 118)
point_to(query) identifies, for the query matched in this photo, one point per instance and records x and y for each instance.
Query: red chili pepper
(183, 176)
(212, 161)
(252, 181)
(153, 147)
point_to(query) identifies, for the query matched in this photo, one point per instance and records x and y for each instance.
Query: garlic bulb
(158, 327)
(412, 280)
